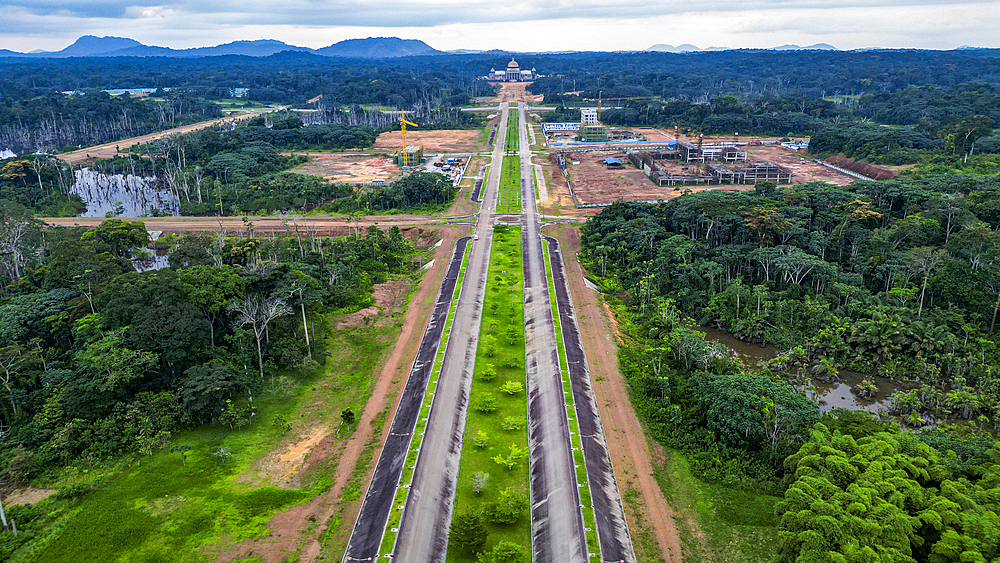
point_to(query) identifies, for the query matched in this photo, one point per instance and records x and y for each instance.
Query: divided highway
(557, 524)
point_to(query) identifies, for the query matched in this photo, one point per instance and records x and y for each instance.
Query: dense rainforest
(896, 278)
(99, 359)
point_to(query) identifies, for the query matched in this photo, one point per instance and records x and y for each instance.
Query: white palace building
(513, 73)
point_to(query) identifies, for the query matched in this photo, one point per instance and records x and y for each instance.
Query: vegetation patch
(513, 139)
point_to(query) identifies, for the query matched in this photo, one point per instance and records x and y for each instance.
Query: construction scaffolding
(751, 173)
(412, 155)
(592, 134)
(689, 152)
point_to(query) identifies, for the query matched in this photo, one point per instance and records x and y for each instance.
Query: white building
(513, 73)
(588, 116)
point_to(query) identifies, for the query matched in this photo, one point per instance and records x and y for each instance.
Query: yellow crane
(403, 123)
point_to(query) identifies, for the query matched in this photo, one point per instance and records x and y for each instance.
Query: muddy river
(838, 394)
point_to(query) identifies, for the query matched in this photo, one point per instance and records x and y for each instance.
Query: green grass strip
(589, 520)
(512, 144)
(391, 530)
(509, 195)
(501, 339)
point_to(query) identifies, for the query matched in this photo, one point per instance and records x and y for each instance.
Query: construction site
(595, 179)
(700, 164)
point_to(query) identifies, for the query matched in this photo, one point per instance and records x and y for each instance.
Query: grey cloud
(410, 13)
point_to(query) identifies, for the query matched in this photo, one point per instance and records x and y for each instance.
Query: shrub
(512, 387)
(478, 481)
(503, 552)
(512, 423)
(481, 440)
(507, 508)
(468, 531)
(486, 403)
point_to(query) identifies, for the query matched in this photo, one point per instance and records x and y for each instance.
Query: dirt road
(322, 225)
(108, 150)
(633, 458)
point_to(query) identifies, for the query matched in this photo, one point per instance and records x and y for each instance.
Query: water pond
(838, 394)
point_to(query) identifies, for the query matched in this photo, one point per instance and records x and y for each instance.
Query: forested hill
(372, 47)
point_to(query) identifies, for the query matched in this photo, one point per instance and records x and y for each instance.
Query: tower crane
(403, 123)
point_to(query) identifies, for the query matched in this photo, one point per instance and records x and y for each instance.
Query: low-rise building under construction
(712, 173)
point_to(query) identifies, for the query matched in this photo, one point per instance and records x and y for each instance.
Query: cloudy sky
(538, 25)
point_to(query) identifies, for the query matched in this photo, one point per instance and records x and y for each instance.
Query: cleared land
(515, 92)
(803, 168)
(595, 183)
(443, 140)
(350, 169)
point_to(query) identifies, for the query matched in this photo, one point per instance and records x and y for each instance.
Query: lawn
(501, 345)
(719, 523)
(168, 508)
(509, 196)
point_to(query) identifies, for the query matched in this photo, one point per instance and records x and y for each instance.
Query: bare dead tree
(257, 312)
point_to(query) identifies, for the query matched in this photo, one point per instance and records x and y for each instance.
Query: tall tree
(257, 312)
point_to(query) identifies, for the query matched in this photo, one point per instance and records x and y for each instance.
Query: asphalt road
(612, 530)
(367, 533)
(557, 531)
(423, 532)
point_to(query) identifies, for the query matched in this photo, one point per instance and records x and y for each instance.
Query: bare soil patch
(387, 296)
(516, 92)
(281, 467)
(441, 140)
(595, 183)
(631, 454)
(27, 495)
(803, 168)
(350, 169)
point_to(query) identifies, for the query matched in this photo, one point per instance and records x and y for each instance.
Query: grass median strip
(406, 477)
(494, 452)
(509, 196)
(589, 520)
(512, 136)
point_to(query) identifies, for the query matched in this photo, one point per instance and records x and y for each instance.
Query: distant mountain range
(688, 48)
(370, 48)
